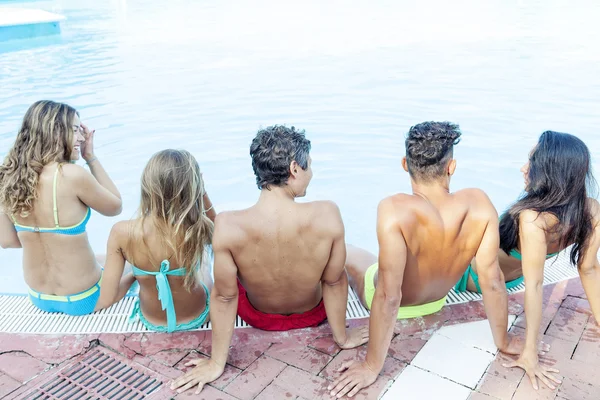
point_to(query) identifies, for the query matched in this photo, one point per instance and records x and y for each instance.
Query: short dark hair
(272, 151)
(429, 147)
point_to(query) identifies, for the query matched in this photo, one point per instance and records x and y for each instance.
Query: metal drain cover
(96, 375)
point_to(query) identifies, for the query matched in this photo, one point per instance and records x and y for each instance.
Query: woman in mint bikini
(46, 202)
(554, 213)
(168, 246)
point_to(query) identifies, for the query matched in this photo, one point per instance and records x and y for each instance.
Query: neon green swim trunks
(403, 312)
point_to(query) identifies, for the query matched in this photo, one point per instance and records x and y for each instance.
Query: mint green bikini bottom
(461, 286)
(193, 324)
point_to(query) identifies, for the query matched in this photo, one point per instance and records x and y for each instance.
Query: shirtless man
(426, 241)
(279, 264)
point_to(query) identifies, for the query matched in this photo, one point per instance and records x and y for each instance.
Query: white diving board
(25, 23)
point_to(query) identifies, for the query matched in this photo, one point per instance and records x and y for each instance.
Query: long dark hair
(560, 181)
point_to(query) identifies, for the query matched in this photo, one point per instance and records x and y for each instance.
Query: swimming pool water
(205, 76)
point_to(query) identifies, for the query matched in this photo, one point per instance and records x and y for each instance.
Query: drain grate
(18, 315)
(98, 375)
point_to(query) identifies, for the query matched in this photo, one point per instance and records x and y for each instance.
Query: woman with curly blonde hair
(168, 245)
(45, 204)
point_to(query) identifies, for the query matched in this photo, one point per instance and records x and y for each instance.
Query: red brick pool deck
(299, 364)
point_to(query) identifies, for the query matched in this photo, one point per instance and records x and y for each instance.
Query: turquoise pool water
(206, 75)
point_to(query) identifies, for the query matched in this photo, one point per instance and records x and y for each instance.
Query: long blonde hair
(46, 136)
(172, 200)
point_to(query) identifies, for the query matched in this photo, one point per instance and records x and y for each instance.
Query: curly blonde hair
(46, 136)
(172, 200)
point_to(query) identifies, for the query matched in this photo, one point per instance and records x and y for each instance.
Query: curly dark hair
(272, 151)
(429, 147)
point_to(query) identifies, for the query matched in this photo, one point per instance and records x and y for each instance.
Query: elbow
(115, 209)
(534, 284)
(334, 284)
(492, 279)
(10, 244)
(391, 301)
(102, 304)
(225, 298)
(586, 271)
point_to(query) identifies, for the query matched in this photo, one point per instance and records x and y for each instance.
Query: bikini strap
(165, 296)
(55, 207)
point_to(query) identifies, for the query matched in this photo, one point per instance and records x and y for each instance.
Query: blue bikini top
(67, 230)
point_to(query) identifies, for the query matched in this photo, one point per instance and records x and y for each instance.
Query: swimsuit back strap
(164, 292)
(164, 289)
(55, 206)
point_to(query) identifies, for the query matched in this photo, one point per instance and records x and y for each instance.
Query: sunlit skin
(537, 238)
(276, 247)
(63, 264)
(426, 241)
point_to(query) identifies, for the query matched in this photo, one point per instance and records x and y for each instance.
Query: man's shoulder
(478, 202)
(325, 207)
(229, 231)
(401, 205)
(473, 195)
(325, 215)
(230, 218)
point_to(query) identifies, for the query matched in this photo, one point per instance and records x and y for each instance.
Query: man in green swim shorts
(426, 241)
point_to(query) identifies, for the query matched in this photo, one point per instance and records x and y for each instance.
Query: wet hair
(272, 151)
(172, 191)
(429, 148)
(560, 182)
(45, 136)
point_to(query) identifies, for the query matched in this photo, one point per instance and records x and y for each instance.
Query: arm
(96, 190)
(388, 293)
(223, 310)
(102, 177)
(211, 213)
(533, 243)
(533, 250)
(335, 287)
(114, 285)
(94, 194)
(386, 301)
(589, 271)
(491, 279)
(8, 235)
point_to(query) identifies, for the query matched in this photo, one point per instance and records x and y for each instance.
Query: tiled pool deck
(299, 364)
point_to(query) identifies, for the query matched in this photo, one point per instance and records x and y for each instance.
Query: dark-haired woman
(554, 213)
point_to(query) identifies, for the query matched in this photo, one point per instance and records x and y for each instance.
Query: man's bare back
(281, 249)
(442, 237)
(426, 241)
(279, 264)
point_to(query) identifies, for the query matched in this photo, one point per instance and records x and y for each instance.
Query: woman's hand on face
(87, 147)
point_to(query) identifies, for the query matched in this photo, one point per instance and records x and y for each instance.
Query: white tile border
(425, 378)
(452, 360)
(417, 384)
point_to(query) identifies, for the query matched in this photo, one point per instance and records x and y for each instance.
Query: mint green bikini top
(516, 254)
